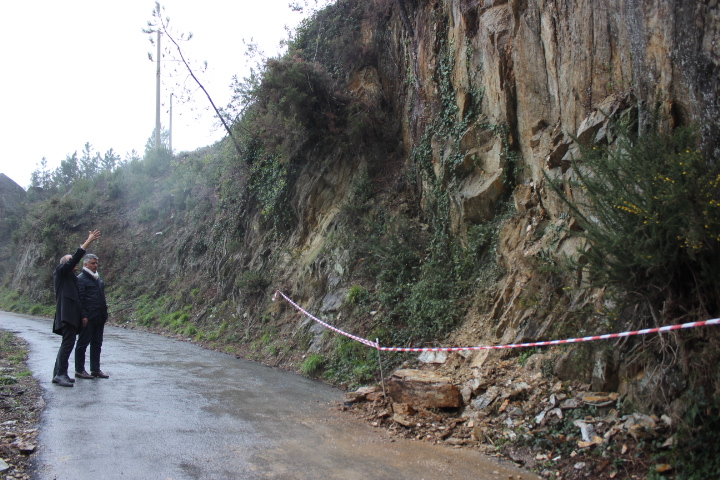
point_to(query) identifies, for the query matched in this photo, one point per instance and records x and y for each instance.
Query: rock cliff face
(547, 71)
(469, 104)
(519, 79)
(491, 96)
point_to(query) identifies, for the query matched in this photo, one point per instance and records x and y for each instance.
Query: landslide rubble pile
(561, 430)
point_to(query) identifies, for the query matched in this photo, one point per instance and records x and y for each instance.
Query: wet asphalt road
(172, 410)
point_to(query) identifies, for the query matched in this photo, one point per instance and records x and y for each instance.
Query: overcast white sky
(77, 71)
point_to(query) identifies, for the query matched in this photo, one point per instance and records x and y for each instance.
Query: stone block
(423, 389)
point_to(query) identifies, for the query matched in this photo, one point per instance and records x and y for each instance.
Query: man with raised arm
(68, 311)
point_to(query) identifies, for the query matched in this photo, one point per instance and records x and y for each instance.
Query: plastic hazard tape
(327, 325)
(668, 328)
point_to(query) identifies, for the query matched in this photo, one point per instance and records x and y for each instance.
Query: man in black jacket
(68, 312)
(94, 309)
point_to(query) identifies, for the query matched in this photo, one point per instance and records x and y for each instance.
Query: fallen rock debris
(561, 430)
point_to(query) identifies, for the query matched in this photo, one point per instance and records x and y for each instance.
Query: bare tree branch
(163, 27)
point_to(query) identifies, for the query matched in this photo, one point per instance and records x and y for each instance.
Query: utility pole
(157, 96)
(171, 150)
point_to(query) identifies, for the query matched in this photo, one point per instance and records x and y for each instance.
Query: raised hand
(92, 236)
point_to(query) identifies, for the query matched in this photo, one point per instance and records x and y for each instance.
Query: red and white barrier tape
(327, 325)
(714, 321)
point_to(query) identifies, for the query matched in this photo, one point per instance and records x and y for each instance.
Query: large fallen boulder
(423, 389)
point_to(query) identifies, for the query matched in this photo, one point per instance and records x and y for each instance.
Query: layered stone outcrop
(548, 70)
(497, 94)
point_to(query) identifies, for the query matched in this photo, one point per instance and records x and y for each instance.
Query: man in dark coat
(68, 311)
(94, 308)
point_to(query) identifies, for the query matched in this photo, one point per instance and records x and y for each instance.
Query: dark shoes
(62, 380)
(65, 381)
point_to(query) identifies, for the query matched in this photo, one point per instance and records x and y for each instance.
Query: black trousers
(91, 334)
(68, 342)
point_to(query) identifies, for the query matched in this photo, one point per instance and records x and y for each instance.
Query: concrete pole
(157, 96)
